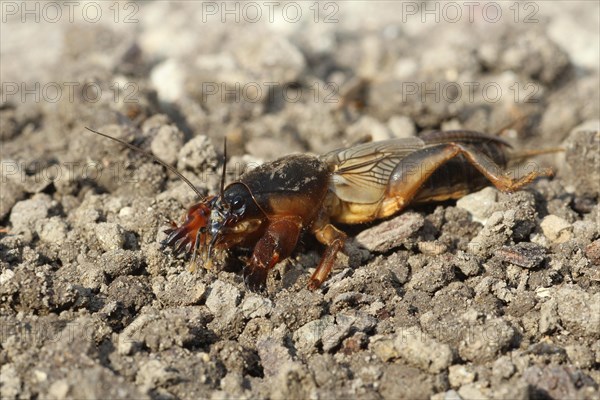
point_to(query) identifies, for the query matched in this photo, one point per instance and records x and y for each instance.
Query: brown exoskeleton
(269, 207)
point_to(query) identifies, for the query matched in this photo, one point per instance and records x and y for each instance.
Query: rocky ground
(494, 296)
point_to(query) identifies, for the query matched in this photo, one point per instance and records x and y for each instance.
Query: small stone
(12, 192)
(479, 204)
(422, 351)
(503, 368)
(168, 78)
(182, 289)
(581, 160)
(233, 385)
(548, 317)
(580, 356)
(402, 127)
(557, 382)
(384, 347)
(154, 373)
(222, 300)
(432, 248)
(273, 353)
(256, 306)
(334, 334)
(514, 390)
(119, 262)
(525, 254)
(167, 143)
(579, 310)
(293, 381)
(369, 126)
(592, 251)
(485, 341)
(459, 375)
(471, 391)
(197, 155)
(59, 389)
(111, 236)
(52, 230)
(556, 229)
(26, 213)
(468, 264)
(451, 395)
(274, 59)
(390, 234)
(6, 276)
(10, 383)
(433, 276)
(309, 336)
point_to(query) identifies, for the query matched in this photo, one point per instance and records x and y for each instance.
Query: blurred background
(307, 73)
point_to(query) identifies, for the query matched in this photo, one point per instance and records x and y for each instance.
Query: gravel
(495, 295)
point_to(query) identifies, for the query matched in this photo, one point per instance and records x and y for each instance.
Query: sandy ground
(494, 296)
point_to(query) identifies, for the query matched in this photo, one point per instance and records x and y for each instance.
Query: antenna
(224, 165)
(152, 157)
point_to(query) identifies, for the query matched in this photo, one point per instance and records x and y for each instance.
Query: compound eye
(237, 204)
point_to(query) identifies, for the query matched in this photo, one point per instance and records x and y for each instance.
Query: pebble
(556, 229)
(548, 317)
(580, 355)
(402, 127)
(503, 367)
(181, 289)
(310, 335)
(592, 251)
(390, 234)
(26, 213)
(467, 263)
(273, 353)
(111, 236)
(459, 375)
(154, 373)
(12, 192)
(578, 310)
(167, 143)
(197, 155)
(256, 306)
(484, 341)
(526, 255)
(422, 351)
(168, 79)
(479, 204)
(52, 230)
(222, 300)
(369, 126)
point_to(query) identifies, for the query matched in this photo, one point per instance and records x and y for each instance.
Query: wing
(360, 174)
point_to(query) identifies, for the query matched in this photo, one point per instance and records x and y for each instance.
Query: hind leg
(414, 170)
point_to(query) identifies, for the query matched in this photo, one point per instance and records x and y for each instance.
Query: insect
(269, 207)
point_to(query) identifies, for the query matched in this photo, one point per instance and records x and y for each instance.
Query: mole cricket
(269, 207)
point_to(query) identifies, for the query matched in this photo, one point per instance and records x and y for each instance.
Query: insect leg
(495, 174)
(414, 170)
(277, 243)
(334, 239)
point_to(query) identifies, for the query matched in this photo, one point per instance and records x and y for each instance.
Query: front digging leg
(277, 244)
